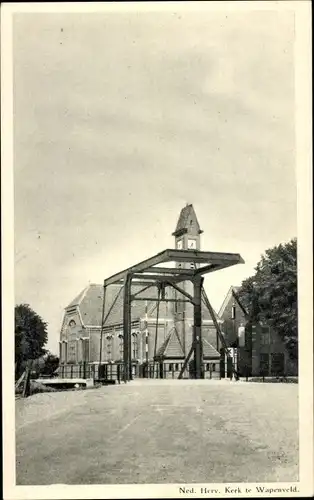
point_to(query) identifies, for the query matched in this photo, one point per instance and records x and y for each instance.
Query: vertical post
(146, 333)
(183, 330)
(197, 333)
(233, 317)
(226, 365)
(126, 327)
(140, 336)
(156, 332)
(102, 325)
(27, 380)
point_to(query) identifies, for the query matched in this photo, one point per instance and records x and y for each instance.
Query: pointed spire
(187, 213)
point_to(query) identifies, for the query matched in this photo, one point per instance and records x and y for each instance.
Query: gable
(228, 301)
(72, 326)
(172, 347)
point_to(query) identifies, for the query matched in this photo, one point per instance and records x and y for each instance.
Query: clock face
(179, 245)
(191, 244)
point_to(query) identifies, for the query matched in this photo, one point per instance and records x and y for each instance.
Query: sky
(120, 119)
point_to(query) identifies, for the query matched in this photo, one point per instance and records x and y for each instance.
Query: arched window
(134, 345)
(109, 346)
(121, 345)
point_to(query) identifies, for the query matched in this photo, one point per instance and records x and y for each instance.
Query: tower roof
(187, 215)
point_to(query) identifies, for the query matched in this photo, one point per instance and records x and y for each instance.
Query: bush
(35, 388)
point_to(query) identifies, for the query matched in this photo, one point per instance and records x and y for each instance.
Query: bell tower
(187, 233)
(187, 237)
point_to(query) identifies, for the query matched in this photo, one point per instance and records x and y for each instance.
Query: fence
(115, 371)
(76, 371)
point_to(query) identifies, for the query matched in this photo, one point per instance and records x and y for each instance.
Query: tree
(45, 365)
(30, 336)
(270, 296)
(51, 363)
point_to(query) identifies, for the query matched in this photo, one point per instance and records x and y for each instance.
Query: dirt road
(159, 432)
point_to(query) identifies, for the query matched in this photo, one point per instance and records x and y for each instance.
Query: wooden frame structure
(148, 274)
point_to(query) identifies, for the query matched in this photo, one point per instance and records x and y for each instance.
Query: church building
(166, 342)
(161, 336)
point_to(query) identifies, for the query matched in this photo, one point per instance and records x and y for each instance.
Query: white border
(302, 11)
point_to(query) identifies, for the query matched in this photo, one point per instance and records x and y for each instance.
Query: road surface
(150, 431)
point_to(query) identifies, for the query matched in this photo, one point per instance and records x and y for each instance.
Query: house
(260, 351)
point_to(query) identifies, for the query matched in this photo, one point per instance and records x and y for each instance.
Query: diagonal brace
(191, 299)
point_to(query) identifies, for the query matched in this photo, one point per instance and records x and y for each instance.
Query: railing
(172, 370)
(76, 371)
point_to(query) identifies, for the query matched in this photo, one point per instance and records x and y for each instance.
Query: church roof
(77, 299)
(172, 347)
(186, 213)
(209, 351)
(90, 303)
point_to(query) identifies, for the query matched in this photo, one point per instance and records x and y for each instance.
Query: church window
(121, 345)
(177, 367)
(170, 367)
(213, 367)
(134, 350)
(109, 347)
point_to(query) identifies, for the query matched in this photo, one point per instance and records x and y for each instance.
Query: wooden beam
(137, 268)
(197, 330)
(169, 255)
(236, 297)
(102, 326)
(221, 337)
(112, 305)
(138, 282)
(187, 359)
(126, 327)
(140, 291)
(164, 278)
(168, 270)
(199, 256)
(191, 299)
(150, 299)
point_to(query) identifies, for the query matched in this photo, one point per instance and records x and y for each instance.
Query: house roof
(186, 213)
(227, 299)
